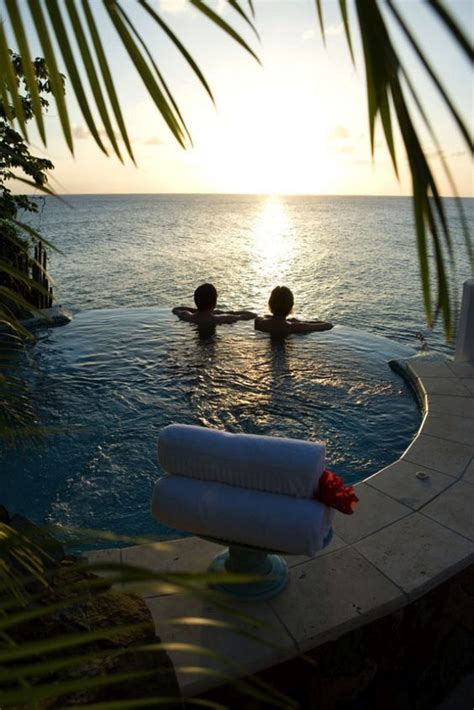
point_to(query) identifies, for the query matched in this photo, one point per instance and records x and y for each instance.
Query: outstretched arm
(183, 313)
(179, 309)
(310, 326)
(241, 315)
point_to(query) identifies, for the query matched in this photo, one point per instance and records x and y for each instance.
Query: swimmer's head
(205, 297)
(281, 301)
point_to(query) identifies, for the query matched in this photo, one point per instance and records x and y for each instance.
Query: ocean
(350, 260)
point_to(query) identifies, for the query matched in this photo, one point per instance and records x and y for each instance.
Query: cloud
(334, 29)
(339, 132)
(329, 31)
(173, 5)
(308, 34)
(81, 132)
(341, 140)
(152, 140)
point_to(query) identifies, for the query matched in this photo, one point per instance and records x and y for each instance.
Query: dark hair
(281, 301)
(205, 297)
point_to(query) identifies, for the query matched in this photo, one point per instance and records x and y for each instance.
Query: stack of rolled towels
(242, 488)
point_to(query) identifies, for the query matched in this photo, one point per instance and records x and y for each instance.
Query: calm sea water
(125, 367)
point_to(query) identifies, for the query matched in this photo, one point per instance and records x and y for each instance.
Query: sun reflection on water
(272, 234)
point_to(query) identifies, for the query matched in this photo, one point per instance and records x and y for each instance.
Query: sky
(296, 124)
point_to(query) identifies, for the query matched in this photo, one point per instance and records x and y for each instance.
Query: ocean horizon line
(229, 194)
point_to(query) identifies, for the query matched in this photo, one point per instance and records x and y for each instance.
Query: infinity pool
(110, 380)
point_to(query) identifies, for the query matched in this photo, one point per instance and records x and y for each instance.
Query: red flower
(333, 492)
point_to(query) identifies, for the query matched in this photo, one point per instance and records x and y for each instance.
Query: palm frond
(10, 82)
(16, 20)
(223, 25)
(107, 75)
(55, 76)
(347, 29)
(425, 63)
(319, 8)
(460, 38)
(162, 24)
(68, 28)
(383, 75)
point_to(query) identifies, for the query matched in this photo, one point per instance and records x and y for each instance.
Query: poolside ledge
(413, 529)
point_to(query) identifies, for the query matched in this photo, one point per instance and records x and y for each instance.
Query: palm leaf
(88, 62)
(347, 29)
(235, 5)
(421, 56)
(446, 168)
(159, 75)
(383, 71)
(26, 63)
(452, 26)
(107, 76)
(55, 77)
(10, 83)
(146, 6)
(115, 13)
(223, 25)
(319, 8)
(71, 66)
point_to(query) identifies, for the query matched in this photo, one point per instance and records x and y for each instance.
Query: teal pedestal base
(272, 569)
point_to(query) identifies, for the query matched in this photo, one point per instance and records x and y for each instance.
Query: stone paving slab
(335, 544)
(445, 385)
(453, 510)
(374, 510)
(448, 457)
(459, 406)
(320, 603)
(468, 476)
(417, 553)
(450, 428)
(469, 385)
(189, 554)
(461, 369)
(410, 484)
(430, 369)
(244, 655)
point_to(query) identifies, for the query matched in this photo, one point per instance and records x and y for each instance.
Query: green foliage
(14, 152)
(17, 287)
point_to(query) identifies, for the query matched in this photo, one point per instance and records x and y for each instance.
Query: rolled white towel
(267, 520)
(266, 463)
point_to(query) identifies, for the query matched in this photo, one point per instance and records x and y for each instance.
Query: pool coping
(412, 530)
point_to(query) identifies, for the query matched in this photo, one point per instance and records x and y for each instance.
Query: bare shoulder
(271, 325)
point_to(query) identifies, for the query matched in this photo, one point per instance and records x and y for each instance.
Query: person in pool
(206, 313)
(281, 304)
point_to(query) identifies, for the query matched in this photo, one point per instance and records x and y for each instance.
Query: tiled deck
(414, 528)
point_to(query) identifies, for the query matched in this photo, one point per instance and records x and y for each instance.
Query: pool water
(110, 380)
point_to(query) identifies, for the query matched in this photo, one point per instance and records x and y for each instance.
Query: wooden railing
(39, 274)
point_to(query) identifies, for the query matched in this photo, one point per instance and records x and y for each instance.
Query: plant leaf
(26, 63)
(88, 62)
(54, 75)
(107, 76)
